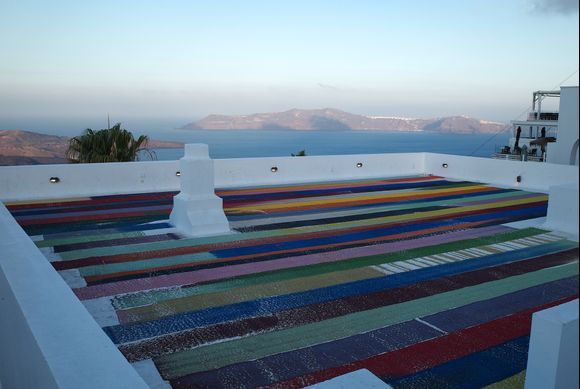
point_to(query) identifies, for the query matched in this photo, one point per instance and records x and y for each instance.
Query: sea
(263, 143)
(244, 144)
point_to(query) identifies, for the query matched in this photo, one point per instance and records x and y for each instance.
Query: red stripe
(117, 258)
(336, 185)
(105, 216)
(93, 200)
(424, 355)
(355, 201)
(91, 279)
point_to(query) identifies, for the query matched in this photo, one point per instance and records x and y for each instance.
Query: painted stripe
(367, 256)
(307, 360)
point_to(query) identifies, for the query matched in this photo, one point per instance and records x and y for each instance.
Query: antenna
(108, 122)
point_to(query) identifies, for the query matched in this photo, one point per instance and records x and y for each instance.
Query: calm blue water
(239, 144)
(232, 144)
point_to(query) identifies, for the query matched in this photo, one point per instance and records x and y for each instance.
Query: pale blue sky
(189, 59)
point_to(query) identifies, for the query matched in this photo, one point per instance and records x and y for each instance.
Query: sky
(187, 59)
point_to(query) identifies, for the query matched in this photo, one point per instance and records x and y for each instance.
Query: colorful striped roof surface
(417, 279)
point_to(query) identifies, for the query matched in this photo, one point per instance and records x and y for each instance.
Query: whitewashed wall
(47, 338)
(48, 344)
(534, 175)
(32, 182)
(258, 171)
(560, 152)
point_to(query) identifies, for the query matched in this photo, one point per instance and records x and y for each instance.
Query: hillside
(336, 120)
(19, 147)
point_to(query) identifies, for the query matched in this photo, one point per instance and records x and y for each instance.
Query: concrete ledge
(363, 379)
(534, 176)
(284, 170)
(32, 182)
(48, 339)
(553, 355)
(563, 210)
(89, 179)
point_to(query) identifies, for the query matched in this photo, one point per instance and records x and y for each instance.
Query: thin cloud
(327, 86)
(555, 6)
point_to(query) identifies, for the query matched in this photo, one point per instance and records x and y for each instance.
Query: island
(330, 119)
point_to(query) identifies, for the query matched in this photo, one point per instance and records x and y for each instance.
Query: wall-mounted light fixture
(445, 166)
(519, 179)
(54, 180)
(359, 164)
(274, 169)
(178, 173)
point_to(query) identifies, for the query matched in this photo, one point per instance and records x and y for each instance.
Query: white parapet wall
(553, 355)
(33, 182)
(284, 170)
(47, 337)
(565, 150)
(534, 176)
(563, 212)
(91, 179)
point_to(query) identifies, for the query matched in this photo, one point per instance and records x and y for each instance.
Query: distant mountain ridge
(18, 147)
(337, 120)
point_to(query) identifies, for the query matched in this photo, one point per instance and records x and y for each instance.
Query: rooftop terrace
(421, 279)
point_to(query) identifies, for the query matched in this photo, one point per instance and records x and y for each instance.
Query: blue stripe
(265, 306)
(473, 371)
(385, 203)
(287, 194)
(377, 232)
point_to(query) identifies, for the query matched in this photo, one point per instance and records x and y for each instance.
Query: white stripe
(454, 256)
(451, 257)
(428, 262)
(504, 247)
(527, 241)
(466, 253)
(406, 265)
(430, 325)
(551, 237)
(534, 239)
(515, 245)
(391, 268)
(381, 270)
(484, 252)
(498, 247)
(442, 258)
(417, 263)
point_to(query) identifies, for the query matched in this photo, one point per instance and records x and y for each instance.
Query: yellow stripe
(406, 217)
(350, 199)
(339, 184)
(45, 201)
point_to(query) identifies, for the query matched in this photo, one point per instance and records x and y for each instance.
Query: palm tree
(114, 144)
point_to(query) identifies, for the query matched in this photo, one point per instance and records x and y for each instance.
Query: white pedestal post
(553, 354)
(197, 211)
(563, 209)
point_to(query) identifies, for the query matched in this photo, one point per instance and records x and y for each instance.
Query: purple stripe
(488, 310)
(97, 212)
(205, 275)
(516, 197)
(299, 362)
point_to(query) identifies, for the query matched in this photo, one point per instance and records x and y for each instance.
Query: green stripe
(155, 296)
(253, 347)
(166, 245)
(144, 264)
(514, 382)
(251, 292)
(87, 238)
